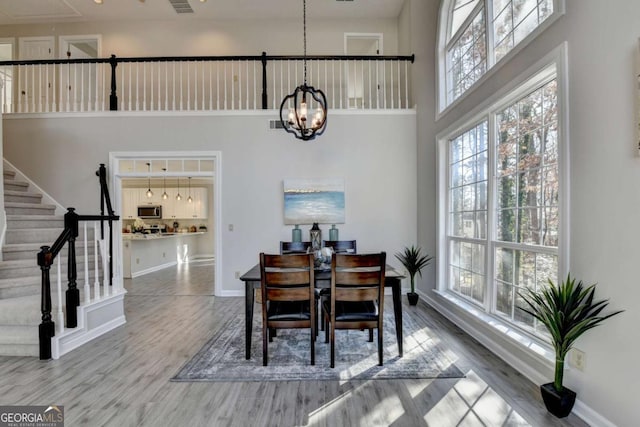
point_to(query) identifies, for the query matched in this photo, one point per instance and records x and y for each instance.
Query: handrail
(98, 88)
(47, 255)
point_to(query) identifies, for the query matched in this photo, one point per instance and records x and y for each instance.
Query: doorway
(363, 80)
(35, 89)
(7, 52)
(80, 84)
(155, 168)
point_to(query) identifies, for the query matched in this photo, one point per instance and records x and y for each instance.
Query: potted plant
(413, 261)
(567, 311)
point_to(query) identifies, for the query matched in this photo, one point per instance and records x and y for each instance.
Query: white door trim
(115, 180)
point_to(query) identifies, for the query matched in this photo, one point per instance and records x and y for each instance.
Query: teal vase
(333, 233)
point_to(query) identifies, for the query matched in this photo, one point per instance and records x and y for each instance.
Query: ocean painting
(314, 200)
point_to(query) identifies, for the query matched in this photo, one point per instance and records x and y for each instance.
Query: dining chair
(288, 298)
(357, 296)
(294, 247)
(341, 246)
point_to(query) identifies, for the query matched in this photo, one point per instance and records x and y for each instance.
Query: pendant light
(165, 196)
(301, 121)
(178, 196)
(189, 199)
(149, 192)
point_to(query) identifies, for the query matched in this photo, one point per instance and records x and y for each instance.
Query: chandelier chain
(304, 24)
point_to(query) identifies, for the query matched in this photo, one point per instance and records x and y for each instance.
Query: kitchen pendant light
(178, 196)
(189, 199)
(165, 196)
(301, 120)
(149, 192)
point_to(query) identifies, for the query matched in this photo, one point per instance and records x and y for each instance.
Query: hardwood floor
(122, 378)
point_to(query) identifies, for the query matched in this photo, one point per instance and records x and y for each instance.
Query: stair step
(12, 252)
(24, 268)
(14, 208)
(22, 197)
(11, 185)
(46, 236)
(8, 174)
(34, 221)
(21, 311)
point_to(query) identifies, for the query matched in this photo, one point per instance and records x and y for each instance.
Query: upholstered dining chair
(294, 247)
(357, 296)
(341, 246)
(288, 299)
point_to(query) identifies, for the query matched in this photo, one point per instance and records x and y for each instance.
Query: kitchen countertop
(156, 236)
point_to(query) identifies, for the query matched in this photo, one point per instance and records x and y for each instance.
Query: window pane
(504, 299)
(467, 57)
(514, 20)
(461, 10)
(504, 265)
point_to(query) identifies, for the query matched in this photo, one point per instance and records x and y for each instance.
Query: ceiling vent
(181, 6)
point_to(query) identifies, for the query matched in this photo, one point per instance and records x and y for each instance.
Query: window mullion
(490, 294)
(488, 28)
(454, 38)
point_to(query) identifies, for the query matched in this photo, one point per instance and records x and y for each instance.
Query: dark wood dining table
(322, 276)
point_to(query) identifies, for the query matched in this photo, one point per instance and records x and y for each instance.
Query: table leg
(248, 295)
(397, 312)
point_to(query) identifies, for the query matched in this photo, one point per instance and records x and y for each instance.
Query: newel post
(46, 329)
(113, 98)
(72, 293)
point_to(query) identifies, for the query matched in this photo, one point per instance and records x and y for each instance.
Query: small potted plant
(567, 311)
(413, 261)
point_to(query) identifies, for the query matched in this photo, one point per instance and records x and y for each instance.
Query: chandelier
(308, 118)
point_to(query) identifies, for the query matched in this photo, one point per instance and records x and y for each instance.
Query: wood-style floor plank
(123, 377)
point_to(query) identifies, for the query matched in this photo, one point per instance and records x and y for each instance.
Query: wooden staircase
(30, 225)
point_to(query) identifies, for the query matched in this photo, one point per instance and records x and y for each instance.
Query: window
(480, 33)
(502, 186)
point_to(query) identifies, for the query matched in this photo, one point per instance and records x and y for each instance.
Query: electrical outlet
(164, 255)
(237, 274)
(576, 359)
(137, 260)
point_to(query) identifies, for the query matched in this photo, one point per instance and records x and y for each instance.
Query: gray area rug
(222, 357)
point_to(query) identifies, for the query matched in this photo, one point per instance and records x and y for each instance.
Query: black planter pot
(413, 298)
(558, 403)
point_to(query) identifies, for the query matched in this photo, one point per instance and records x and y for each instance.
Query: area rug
(222, 358)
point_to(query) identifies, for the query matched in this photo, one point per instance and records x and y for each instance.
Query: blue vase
(296, 234)
(333, 233)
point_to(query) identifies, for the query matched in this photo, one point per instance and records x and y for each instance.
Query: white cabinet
(171, 208)
(130, 200)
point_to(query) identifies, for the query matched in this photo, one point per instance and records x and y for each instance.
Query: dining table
(322, 276)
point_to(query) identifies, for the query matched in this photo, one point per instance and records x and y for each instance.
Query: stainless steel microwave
(150, 212)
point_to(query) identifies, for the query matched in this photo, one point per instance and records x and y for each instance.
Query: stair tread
(21, 193)
(21, 247)
(22, 217)
(29, 205)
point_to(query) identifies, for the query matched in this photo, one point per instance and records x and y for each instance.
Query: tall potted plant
(567, 310)
(413, 261)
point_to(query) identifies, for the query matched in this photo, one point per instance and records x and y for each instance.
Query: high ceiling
(41, 11)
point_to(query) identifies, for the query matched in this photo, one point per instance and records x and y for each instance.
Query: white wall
(375, 153)
(605, 170)
(207, 37)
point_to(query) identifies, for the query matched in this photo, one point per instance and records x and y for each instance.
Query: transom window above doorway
(162, 166)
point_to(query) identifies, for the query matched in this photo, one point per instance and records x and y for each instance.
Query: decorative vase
(296, 234)
(315, 235)
(558, 403)
(333, 233)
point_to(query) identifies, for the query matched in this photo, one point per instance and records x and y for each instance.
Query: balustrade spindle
(60, 313)
(87, 288)
(96, 283)
(73, 293)
(46, 329)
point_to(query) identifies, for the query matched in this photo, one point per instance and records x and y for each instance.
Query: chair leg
(265, 332)
(326, 329)
(333, 343)
(370, 334)
(313, 344)
(380, 347)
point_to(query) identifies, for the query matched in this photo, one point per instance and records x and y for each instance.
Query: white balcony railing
(201, 83)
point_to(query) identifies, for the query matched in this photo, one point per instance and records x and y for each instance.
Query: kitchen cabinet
(171, 208)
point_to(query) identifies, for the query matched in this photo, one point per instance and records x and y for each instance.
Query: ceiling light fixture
(189, 199)
(165, 196)
(149, 192)
(298, 121)
(178, 196)
(97, 1)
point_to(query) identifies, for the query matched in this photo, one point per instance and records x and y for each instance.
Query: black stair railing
(47, 256)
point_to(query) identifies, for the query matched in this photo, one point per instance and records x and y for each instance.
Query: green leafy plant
(567, 310)
(413, 261)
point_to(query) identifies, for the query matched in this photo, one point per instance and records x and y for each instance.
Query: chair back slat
(357, 278)
(341, 246)
(294, 247)
(288, 294)
(289, 277)
(356, 294)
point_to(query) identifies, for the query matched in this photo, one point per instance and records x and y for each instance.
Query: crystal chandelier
(309, 117)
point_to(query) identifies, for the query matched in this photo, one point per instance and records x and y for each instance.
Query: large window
(503, 213)
(480, 33)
